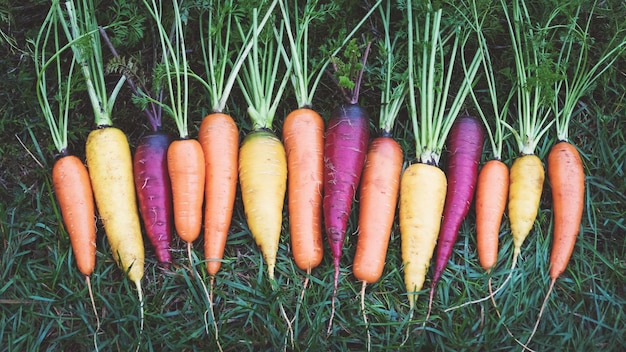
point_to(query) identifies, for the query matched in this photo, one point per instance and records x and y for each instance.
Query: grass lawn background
(44, 303)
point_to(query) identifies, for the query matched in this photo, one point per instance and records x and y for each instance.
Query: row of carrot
(194, 182)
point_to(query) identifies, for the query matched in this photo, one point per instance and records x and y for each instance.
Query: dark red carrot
(344, 155)
(345, 147)
(152, 183)
(464, 150)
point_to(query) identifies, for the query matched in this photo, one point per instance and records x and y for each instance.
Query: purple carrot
(344, 156)
(154, 194)
(345, 147)
(152, 180)
(463, 152)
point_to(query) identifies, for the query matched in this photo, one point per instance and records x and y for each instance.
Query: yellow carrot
(525, 186)
(422, 196)
(110, 167)
(263, 180)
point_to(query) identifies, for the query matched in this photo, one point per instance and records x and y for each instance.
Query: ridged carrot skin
(72, 188)
(492, 189)
(185, 163)
(380, 186)
(154, 192)
(111, 171)
(303, 136)
(422, 197)
(525, 186)
(263, 181)
(219, 137)
(567, 179)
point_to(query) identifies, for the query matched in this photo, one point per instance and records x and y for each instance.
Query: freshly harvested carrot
(566, 173)
(567, 179)
(70, 178)
(464, 148)
(263, 180)
(72, 187)
(218, 133)
(378, 198)
(423, 184)
(219, 137)
(185, 163)
(262, 159)
(422, 196)
(380, 185)
(303, 135)
(380, 182)
(527, 173)
(525, 187)
(110, 168)
(492, 190)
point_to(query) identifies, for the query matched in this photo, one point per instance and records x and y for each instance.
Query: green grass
(44, 303)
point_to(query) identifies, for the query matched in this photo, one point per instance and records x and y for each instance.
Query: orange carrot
(567, 179)
(70, 179)
(185, 163)
(219, 138)
(303, 135)
(72, 187)
(377, 207)
(491, 196)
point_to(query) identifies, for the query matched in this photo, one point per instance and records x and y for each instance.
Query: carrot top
(152, 108)
(430, 42)
(579, 75)
(305, 79)
(499, 111)
(534, 75)
(81, 30)
(395, 74)
(216, 42)
(261, 69)
(174, 71)
(57, 121)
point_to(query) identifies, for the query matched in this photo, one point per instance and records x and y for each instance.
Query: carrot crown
(434, 67)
